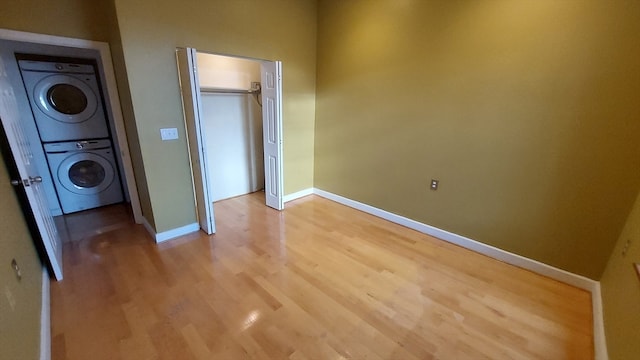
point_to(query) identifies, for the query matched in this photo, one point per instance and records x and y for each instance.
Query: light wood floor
(316, 281)
(87, 224)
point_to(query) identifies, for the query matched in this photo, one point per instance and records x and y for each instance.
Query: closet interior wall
(232, 126)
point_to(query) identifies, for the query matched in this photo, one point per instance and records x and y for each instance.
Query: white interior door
(272, 132)
(29, 177)
(191, 102)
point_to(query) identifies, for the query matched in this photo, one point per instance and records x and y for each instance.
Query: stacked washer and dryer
(69, 113)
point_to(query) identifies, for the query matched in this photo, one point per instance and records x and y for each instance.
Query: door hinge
(23, 182)
(27, 182)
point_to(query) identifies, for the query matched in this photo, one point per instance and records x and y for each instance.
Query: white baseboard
(169, 234)
(499, 254)
(599, 338)
(578, 281)
(297, 195)
(45, 317)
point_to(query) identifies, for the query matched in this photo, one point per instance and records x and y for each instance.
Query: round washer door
(86, 173)
(65, 98)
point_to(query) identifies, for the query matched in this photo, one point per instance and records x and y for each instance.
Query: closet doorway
(233, 117)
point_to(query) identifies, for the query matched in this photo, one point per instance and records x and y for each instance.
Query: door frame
(114, 100)
(201, 137)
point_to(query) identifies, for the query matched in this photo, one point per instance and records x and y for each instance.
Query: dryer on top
(65, 99)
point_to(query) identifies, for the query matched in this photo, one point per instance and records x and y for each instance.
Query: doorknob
(35, 179)
(16, 182)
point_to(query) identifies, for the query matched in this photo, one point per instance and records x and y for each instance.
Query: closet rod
(229, 91)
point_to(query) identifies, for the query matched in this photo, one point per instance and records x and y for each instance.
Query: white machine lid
(77, 145)
(55, 67)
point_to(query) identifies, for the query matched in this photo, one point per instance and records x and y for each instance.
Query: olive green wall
(71, 18)
(117, 55)
(20, 324)
(274, 30)
(621, 292)
(526, 111)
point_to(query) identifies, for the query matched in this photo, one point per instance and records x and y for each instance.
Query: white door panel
(190, 89)
(272, 132)
(29, 177)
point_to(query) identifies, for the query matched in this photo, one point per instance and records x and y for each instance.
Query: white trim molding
(599, 338)
(298, 194)
(578, 281)
(169, 234)
(45, 317)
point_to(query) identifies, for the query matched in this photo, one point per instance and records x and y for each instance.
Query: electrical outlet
(168, 134)
(434, 184)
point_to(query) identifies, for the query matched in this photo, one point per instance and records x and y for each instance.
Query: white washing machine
(65, 99)
(85, 174)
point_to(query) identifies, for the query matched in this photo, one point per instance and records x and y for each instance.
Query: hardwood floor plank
(315, 281)
(169, 342)
(195, 342)
(139, 344)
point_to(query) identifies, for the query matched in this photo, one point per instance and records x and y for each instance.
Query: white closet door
(191, 102)
(272, 132)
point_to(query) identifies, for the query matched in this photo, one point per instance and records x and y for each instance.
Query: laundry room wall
(232, 125)
(621, 291)
(20, 325)
(126, 104)
(20, 303)
(70, 18)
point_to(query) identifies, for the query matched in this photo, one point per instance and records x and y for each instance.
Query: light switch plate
(168, 134)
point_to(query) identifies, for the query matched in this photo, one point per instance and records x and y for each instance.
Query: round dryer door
(65, 98)
(86, 173)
